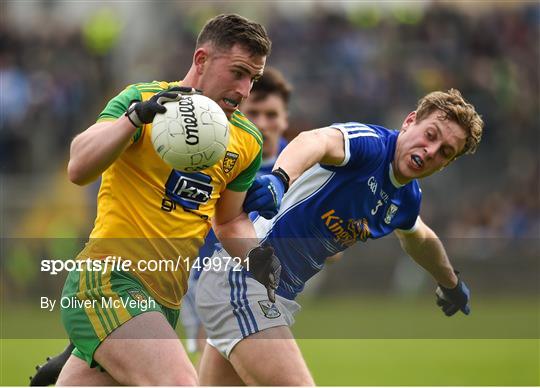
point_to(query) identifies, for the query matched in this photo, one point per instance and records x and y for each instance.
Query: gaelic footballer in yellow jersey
(142, 215)
(144, 211)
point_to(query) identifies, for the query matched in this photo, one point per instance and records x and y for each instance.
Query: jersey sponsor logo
(390, 213)
(189, 190)
(372, 184)
(229, 161)
(269, 309)
(346, 233)
(187, 112)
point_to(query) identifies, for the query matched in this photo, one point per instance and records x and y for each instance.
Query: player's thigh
(146, 351)
(77, 372)
(214, 369)
(99, 302)
(201, 339)
(270, 357)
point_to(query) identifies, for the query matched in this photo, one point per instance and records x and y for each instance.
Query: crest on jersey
(361, 229)
(229, 161)
(390, 213)
(269, 309)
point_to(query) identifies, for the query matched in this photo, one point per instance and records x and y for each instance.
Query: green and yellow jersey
(149, 211)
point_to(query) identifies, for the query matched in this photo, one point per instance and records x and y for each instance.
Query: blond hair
(455, 108)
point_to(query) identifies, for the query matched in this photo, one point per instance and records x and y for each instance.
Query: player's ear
(200, 57)
(410, 119)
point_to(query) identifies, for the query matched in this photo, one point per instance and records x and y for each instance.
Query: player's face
(226, 76)
(270, 116)
(425, 147)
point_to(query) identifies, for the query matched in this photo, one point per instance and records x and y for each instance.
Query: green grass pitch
(369, 341)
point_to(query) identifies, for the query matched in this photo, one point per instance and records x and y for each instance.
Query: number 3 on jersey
(374, 210)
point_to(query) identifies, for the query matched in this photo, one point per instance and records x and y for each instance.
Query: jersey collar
(393, 178)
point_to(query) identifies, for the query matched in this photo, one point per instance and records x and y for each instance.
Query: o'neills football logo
(187, 112)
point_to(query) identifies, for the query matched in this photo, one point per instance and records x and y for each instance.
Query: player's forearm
(428, 251)
(94, 150)
(301, 154)
(237, 236)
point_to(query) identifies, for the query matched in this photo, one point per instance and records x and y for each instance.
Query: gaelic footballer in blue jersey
(347, 183)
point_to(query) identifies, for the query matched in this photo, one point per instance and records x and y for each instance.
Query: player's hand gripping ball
(191, 133)
(143, 112)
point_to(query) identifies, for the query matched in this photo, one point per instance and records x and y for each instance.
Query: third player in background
(267, 108)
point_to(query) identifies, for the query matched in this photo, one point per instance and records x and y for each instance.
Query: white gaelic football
(192, 135)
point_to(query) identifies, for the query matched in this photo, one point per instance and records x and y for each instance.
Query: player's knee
(186, 379)
(302, 381)
(281, 380)
(171, 378)
(295, 380)
(272, 377)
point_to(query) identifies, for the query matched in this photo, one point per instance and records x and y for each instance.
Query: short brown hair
(271, 82)
(224, 31)
(456, 109)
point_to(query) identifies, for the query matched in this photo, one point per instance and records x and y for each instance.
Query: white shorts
(232, 305)
(189, 317)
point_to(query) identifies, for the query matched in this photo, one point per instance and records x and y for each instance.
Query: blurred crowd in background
(61, 62)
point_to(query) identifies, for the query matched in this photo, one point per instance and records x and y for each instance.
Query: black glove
(143, 112)
(265, 268)
(453, 299)
(48, 373)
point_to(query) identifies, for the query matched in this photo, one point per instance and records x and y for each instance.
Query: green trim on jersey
(242, 122)
(243, 181)
(118, 106)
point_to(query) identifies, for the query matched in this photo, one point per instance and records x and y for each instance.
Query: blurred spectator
(357, 63)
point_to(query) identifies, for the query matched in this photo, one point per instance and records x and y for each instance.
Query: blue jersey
(329, 208)
(211, 241)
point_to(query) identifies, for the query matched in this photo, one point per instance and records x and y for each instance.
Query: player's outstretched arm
(236, 233)
(323, 145)
(427, 250)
